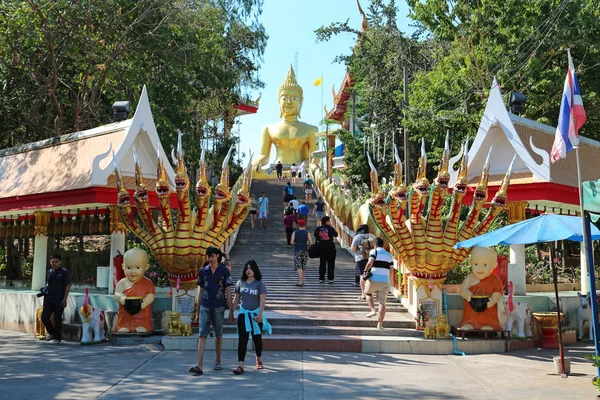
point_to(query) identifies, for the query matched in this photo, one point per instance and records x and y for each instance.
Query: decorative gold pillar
(516, 211)
(516, 266)
(40, 249)
(42, 219)
(116, 224)
(117, 243)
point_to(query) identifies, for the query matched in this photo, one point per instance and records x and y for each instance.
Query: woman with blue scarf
(252, 293)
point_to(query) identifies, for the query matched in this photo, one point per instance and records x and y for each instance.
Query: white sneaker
(379, 327)
(55, 341)
(371, 314)
(49, 337)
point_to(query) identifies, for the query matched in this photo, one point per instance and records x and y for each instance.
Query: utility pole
(353, 120)
(406, 143)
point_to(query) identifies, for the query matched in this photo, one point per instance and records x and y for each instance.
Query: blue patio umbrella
(544, 228)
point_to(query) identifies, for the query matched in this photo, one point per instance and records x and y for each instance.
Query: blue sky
(291, 26)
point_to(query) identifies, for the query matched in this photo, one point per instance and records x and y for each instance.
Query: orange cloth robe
(141, 288)
(490, 285)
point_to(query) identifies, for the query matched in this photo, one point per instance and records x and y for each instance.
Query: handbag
(314, 251)
(367, 275)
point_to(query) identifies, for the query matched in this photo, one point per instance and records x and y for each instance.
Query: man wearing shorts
(380, 265)
(263, 210)
(214, 293)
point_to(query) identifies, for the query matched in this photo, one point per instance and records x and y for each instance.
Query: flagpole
(584, 260)
(322, 105)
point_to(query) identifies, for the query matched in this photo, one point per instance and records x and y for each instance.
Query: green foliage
(595, 364)
(451, 60)
(458, 274)
(63, 63)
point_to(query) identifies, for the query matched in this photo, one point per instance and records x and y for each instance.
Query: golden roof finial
(365, 23)
(291, 84)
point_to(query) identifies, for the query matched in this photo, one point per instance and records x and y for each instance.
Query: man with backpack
(362, 243)
(308, 186)
(324, 235)
(288, 193)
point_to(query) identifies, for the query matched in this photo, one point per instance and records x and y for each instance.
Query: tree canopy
(63, 63)
(457, 49)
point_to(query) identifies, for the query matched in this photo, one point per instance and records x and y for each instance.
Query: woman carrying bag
(252, 293)
(301, 239)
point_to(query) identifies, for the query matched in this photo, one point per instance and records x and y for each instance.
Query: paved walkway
(30, 369)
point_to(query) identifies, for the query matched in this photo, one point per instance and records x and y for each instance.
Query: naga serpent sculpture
(181, 248)
(425, 247)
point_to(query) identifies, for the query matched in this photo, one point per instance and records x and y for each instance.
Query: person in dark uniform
(279, 169)
(324, 235)
(58, 286)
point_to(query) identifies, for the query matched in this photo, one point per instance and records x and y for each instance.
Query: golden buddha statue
(293, 140)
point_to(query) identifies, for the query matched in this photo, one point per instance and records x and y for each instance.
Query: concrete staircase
(320, 316)
(317, 316)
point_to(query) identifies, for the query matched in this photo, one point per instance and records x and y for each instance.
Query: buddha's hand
(122, 300)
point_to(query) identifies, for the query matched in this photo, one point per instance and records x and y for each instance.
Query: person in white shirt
(295, 203)
(294, 171)
(263, 210)
(380, 266)
(302, 170)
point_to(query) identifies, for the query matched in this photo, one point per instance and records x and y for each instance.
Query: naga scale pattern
(180, 246)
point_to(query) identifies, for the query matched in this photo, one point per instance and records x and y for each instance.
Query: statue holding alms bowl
(482, 291)
(134, 293)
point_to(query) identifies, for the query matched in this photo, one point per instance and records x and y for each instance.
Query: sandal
(259, 365)
(196, 370)
(238, 370)
(218, 367)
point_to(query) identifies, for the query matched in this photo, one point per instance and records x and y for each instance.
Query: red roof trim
(247, 108)
(70, 198)
(547, 191)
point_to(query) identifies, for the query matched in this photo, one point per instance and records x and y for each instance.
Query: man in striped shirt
(380, 265)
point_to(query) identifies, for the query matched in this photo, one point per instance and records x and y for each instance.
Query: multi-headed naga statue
(180, 248)
(422, 243)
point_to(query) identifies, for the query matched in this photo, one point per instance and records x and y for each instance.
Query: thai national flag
(571, 118)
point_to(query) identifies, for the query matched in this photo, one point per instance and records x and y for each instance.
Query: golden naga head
(124, 201)
(460, 186)
(202, 187)
(243, 195)
(163, 190)
(421, 185)
(399, 191)
(499, 200)
(377, 196)
(443, 176)
(182, 182)
(290, 96)
(222, 191)
(141, 192)
(480, 195)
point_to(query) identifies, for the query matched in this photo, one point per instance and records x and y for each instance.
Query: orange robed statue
(482, 291)
(135, 293)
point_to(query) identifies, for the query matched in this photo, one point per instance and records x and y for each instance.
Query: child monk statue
(482, 291)
(135, 293)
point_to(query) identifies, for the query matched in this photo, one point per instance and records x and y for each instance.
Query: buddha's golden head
(290, 96)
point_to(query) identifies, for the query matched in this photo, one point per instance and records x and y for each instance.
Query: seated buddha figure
(482, 291)
(134, 293)
(293, 140)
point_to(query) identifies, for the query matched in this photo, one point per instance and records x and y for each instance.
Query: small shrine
(536, 185)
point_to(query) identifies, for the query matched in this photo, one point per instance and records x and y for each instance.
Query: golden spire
(291, 84)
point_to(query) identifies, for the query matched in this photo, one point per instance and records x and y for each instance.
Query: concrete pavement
(30, 369)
